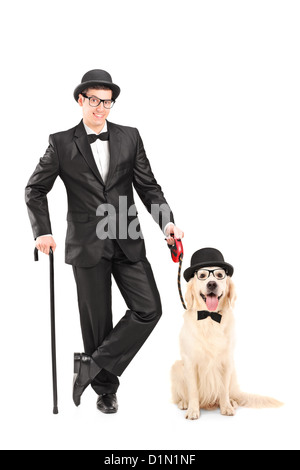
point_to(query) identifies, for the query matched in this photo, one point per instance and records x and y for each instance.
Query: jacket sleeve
(38, 186)
(148, 189)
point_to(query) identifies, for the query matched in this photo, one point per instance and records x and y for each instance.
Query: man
(100, 163)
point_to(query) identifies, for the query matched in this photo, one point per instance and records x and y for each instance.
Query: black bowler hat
(205, 258)
(95, 78)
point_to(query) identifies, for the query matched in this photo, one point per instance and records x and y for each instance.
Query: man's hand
(178, 233)
(44, 243)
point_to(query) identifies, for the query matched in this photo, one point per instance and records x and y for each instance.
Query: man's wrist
(47, 235)
(166, 228)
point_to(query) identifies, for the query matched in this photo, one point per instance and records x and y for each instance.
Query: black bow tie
(203, 314)
(93, 137)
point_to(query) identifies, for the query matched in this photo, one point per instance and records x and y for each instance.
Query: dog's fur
(205, 377)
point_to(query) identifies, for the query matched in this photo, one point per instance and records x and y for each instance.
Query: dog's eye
(220, 274)
(202, 275)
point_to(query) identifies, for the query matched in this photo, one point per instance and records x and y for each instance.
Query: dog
(205, 378)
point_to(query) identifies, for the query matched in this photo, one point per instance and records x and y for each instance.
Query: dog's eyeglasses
(204, 274)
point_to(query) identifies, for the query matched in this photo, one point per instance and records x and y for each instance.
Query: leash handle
(177, 254)
(176, 249)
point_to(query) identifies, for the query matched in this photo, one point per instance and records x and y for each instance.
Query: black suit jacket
(69, 156)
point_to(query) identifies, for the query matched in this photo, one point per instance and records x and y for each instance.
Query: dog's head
(210, 289)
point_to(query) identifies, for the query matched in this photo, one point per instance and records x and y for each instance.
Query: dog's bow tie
(93, 137)
(203, 314)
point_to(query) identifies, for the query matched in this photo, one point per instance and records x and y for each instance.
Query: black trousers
(114, 348)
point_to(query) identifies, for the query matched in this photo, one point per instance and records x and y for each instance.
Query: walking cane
(53, 340)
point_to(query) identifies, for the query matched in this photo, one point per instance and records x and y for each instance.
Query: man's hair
(98, 87)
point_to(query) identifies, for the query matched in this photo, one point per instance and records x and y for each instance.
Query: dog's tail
(248, 400)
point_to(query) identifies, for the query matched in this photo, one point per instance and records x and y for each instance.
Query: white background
(213, 87)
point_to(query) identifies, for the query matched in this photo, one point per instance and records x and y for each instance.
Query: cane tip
(55, 411)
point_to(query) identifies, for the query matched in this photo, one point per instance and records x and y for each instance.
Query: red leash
(177, 254)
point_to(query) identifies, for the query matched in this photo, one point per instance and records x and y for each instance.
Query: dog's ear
(231, 293)
(189, 296)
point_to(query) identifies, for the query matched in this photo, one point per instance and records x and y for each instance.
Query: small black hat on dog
(205, 258)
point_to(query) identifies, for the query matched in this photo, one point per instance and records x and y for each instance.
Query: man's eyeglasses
(95, 102)
(204, 274)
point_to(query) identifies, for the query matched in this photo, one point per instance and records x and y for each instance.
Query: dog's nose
(212, 285)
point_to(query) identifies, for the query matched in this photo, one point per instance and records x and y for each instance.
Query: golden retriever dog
(205, 377)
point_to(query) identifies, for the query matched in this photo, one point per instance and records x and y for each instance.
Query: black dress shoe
(85, 370)
(108, 403)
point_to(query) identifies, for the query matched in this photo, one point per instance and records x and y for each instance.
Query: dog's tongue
(212, 302)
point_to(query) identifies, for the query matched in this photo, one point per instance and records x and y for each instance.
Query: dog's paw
(193, 414)
(228, 410)
(234, 404)
(182, 405)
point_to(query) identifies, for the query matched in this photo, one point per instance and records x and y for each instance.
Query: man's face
(95, 117)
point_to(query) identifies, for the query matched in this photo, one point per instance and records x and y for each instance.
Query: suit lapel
(114, 149)
(86, 151)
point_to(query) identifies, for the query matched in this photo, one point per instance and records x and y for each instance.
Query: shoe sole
(107, 412)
